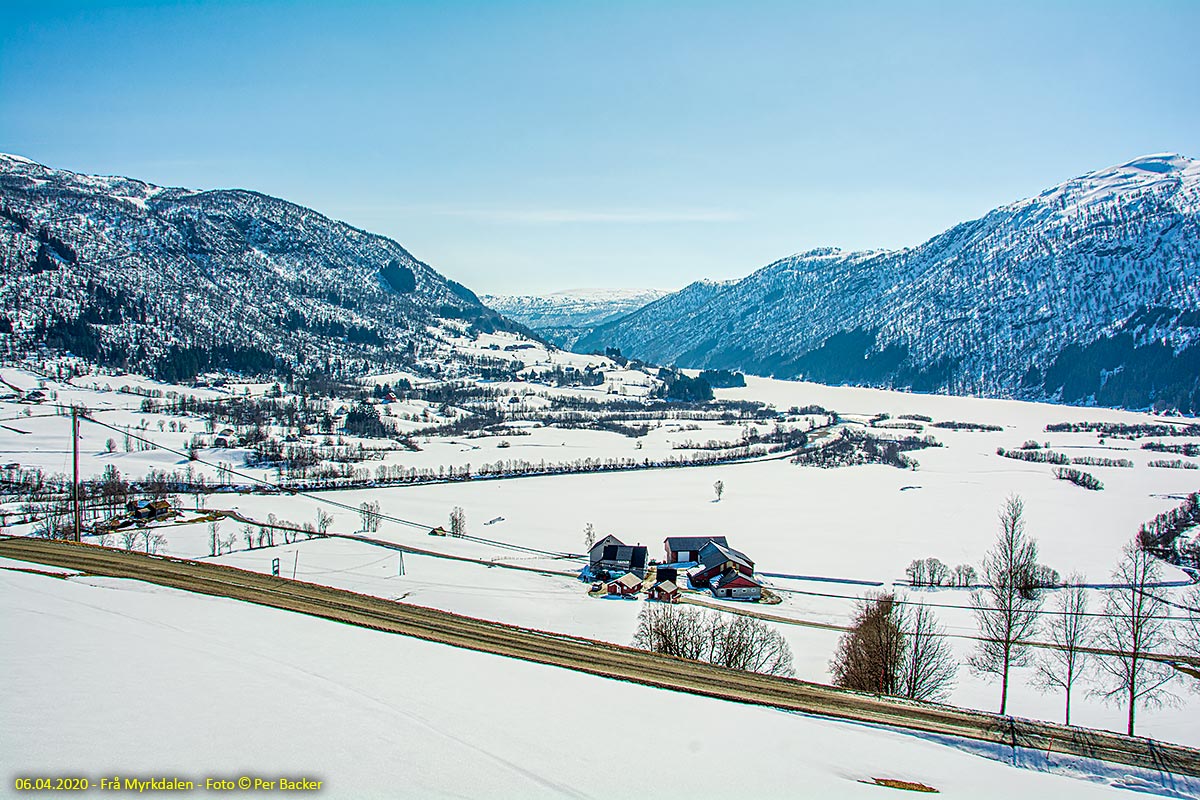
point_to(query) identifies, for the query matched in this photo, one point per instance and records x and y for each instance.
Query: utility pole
(296, 563)
(400, 564)
(78, 514)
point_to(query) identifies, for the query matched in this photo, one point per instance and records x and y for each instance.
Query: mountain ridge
(130, 274)
(563, 317)
(1083, 293)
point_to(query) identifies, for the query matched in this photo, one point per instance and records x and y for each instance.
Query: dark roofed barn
(681, 549)
(611, 555)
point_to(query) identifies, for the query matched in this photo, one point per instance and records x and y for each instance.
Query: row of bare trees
(736, 642)
(1114, 644)
(895, 647)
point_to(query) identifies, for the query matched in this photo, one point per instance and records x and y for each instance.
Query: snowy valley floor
(864, 523)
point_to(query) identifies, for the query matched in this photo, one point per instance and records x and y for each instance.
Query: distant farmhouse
(611, 555)
(726, 572)
(682, 549)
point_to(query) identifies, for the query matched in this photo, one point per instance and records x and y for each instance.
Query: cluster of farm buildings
(707, 562)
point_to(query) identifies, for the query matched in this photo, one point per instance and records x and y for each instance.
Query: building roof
(677, 543)
(665, 586)
(628, 580)
(713, 554)
(607, 541)
(732, 578)
(634, 555)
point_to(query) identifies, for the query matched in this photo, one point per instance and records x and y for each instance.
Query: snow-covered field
(111, 678)
(863, 523)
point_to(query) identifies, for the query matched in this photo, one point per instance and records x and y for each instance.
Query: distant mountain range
(176, 281)
(564, 317)
(1088, 292)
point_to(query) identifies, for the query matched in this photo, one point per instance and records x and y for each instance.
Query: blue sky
(540, 146)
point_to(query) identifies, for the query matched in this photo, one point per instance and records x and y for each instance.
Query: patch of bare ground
(909, 786)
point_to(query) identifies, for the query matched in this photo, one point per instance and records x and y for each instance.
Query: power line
(899, 601)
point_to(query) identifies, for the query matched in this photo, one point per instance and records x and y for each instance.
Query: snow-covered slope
(563, 317)
(108, 677)
(119, 271)
(1089, 292)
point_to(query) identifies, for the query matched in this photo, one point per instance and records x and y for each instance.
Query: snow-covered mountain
(564, 317)
(1087, 292)
(174, 280)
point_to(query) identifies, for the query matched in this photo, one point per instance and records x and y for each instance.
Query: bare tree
(672, 630)
(742, 643)
(214, 538)
(868, 655)
(458, 521)
(719, 489)
(323, 522)
(895, 650)
(1006, 609)
(248, 536)
(750, 645)
(129, 537)
(370, 514)
(1189, 636)
(927, 666)
(589, 536)
(1133, 626)
(964, 575)
(1070, 633)
(151, 541)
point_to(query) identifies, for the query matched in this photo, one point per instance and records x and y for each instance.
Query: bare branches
(1070, 631)
(895, 650)
(739, 642)
(458, 521)
(927, 665)
(1134, 625)
(370, 516)
(1007, 608)
(869, 654)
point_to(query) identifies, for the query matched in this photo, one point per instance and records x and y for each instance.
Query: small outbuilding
(664, 592)
(625, 586)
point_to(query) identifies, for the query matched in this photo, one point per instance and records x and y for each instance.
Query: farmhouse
(150, 509)
(626, 585)
(715, 560)
(610, 554)
(225, 438)
(687, 548)
(735, 585)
